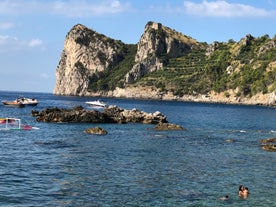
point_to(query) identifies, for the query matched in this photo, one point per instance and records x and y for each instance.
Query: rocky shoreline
(227, 97)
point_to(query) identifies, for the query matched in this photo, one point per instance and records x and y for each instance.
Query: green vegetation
(247, 70)
(112, 78)
(245, 67)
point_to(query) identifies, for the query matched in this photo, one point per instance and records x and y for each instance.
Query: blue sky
(32, 32)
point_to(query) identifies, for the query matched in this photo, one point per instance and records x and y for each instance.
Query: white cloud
(35, 43)
(6, 39)
(85, 8)
(222, 8)
(6, 25)
(71, 8)
(3, 39)
(9, 43)
(45, 76)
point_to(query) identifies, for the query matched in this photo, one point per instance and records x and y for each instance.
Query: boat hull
(30, 104)
(21, 102)
(13, 104)
(96, 104)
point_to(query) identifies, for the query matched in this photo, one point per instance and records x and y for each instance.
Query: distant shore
(228, 97)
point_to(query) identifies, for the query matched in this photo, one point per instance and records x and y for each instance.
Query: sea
(133, 165)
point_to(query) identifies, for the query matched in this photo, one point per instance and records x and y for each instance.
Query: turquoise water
(133, 165)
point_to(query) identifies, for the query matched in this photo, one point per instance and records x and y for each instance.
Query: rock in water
(96, 130)
(269, 144)
(168, 126)
(112, 114)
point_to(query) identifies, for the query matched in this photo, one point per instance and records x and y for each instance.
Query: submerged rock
(96, 130)
(269, 140)
(269, 147)
(269, 144)
(168, 126)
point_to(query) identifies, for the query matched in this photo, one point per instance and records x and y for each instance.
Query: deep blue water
(133, 165)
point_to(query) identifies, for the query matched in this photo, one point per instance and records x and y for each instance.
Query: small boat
(21, 102)
(14, 124)
(98, 103)
(28, 101)
(16, 104)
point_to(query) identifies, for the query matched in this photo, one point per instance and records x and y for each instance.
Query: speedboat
(28, 101)
(14, 124)
(97, 103)
(16, 104)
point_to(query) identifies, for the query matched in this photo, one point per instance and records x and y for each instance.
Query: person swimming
(243, 191)
(224, 198)
(241, 188)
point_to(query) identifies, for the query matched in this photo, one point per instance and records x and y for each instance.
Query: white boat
(28, 101)
(14, 124)
(97, 103)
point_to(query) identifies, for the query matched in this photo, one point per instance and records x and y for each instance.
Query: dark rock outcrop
(112, 114)
(75, 115)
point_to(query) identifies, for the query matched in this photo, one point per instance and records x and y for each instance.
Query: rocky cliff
(85, 53)
(168, 65)
(157, 42)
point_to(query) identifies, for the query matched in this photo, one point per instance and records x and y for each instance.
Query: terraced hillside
(248, 68)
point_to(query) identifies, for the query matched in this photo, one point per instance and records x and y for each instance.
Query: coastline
(227, 97)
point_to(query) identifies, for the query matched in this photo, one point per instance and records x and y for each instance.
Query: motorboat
(97, 103)
(16, 104)
(28, 101)
(21, 102)
(14, 124)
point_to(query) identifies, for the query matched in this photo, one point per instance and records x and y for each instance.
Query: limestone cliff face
(93, 62)
(156, 42)
(85, 53)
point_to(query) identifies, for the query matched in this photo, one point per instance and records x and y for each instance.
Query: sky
(32, 32)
